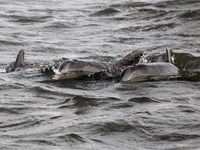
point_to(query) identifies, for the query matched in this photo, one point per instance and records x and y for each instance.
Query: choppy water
(38, 114)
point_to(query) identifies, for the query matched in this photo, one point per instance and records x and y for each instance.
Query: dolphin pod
(150, 71)
(128, 68)
(73, 69)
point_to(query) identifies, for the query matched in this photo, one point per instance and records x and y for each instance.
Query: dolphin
(149, 71)
(18, 63)
(72, 69)
(75, 68)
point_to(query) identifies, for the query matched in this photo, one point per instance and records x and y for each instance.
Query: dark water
(39, 114)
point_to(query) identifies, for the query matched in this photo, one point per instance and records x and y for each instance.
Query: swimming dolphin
(72, 69)
(18, 63)
(149, 71)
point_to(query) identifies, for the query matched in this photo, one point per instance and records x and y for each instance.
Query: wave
(20, 124)
(122, 126)
(9, 110)
(191, 15)
(146, 28)
(122, 105)
(72, 138)
(10, 42)
(38, 142)
(109, 127)
(172, 3)
(83, 102)
(161, 27)
(175, 137)
(5, 87)
(58, 25)
(28, 19)
(142, 100)
(45, 91)
(131, 5)
(106, 12)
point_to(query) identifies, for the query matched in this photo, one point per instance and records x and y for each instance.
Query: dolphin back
(81, 65)
(149, 71)
(72, 69)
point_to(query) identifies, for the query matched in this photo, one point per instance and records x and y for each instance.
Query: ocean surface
(37, 113)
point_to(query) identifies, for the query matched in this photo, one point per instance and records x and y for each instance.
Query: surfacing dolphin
(18, 63)
(149, 71)
(72, 69)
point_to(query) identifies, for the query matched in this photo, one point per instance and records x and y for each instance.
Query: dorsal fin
(169, 58)
(20, 59)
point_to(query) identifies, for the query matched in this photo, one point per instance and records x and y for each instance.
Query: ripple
(20, 124)
(122, 105)
(80, 102)
(106, 12)
(161, 27)
(142, 100)
(43, 90)
(171, 3)
(28, 19)
(58, 25)
(40, 142)
(191, 15)
(109, 127)
(8, 110)
(5, 87)
(150, 13)
(127, 40)
(131, 5)
(130, 29)
(175, 137)
(187, 109)
(10, 42)
(72, 138)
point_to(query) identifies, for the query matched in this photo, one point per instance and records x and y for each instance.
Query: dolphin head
(148, 71)
(72, 69)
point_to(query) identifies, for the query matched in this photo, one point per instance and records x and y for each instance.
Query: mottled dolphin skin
(18, 63)
(72, 69)
(149, 71)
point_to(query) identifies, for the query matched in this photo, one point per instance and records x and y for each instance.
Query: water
(102, 114)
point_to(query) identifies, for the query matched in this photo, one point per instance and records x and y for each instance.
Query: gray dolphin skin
(18, 63)
(20, 59)
(72, 69)
(149, 71)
